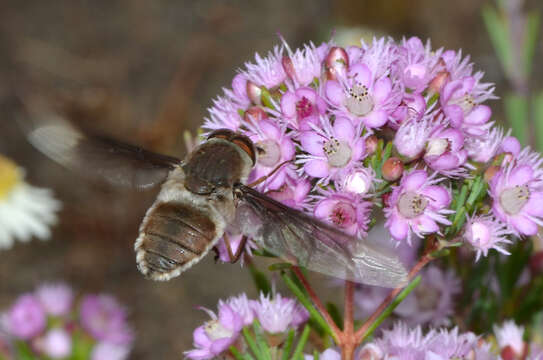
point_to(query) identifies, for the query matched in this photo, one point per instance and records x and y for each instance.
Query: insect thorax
(214, 164)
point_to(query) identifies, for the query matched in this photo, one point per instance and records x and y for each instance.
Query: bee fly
(203, 195)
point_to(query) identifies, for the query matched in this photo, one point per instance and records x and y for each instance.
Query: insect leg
(263, 178)
(234, 257)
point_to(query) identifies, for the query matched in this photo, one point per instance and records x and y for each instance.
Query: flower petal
(398, 228)
(524, 225)
(479, 115)
(344, 129)
(534, 206)
(375, 119)
(200, 337)
(288, 104)
(439, 196)
(334, 92)
(414, 180)
(317, 168)
(312, 143)
(425, 224)
(382, 89)
(520, 176)
(361, 74)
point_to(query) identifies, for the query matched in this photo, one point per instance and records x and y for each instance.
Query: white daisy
(25, 211)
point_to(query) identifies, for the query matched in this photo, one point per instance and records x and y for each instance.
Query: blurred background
(145, 71)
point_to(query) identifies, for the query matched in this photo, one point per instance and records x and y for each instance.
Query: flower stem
(347, 339)
(318, 304)
(361, 333)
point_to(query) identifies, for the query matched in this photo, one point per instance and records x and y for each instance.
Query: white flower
(25, 211)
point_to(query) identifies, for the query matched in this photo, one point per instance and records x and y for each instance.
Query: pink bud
(490, 172)
(392, 169)
(336, 62)
(254, 92)
(371, 144)
(254, 114)
(438, 81)
(288, 67)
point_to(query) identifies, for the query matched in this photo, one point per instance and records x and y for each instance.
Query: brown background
(145, 71)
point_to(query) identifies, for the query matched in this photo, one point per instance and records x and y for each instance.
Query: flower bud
(288, 66)
(336, 62)
(254, 92)
(438, 81)
(392, 169)
(254, 114)
(490, 172)
(371, 144)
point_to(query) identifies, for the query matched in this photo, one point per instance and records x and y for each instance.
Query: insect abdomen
(173, 236)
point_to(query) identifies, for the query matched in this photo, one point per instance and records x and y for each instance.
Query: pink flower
(276, 313)
(105, 350)
(56, 344)
(223, 115)
(56, 299)
(268, 71)
(482, 149)
(301, 107)
(417, 205)
(432, 302)
(445, 151)
(333, 149)
(517, 193)
(274, 147)
(461, 101)
(293, 193)
(412, 136)
(26, 318)
(418, 64)
(346, 211)
(484, 233)
(362, 97)
(359, 181)
(510, 335)
(105, 319)
(303, 65)
(242, 306)
(216, 335)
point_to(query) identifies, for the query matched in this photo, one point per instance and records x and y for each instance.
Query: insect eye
(221, 134)
(246, 145)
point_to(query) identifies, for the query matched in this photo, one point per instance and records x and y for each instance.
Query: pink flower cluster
(324, 109)
(275, 314)
(404, 343)
(50, 323)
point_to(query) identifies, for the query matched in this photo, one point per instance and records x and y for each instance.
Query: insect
(202, 195)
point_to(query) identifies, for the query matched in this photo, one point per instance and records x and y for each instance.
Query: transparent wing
(95, 156)
(311, 243)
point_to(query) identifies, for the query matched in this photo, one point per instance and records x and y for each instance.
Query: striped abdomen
(173, 236)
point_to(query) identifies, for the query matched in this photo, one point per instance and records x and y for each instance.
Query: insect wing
(311, 243)
(96, 156)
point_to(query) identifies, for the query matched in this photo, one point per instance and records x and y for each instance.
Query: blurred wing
(311, 243)
(96, 156)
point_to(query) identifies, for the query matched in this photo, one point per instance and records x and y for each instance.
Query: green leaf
(306, 302)
(530, 40)
(261, 343)
(24, 352)
(251, 342)
(516, 108)
(499, 36)
(334, 312)
(538, 120)
(280, 266)
(259, 278)
(298, 351)
(390, 308)
(288, 345)
(238, 355)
